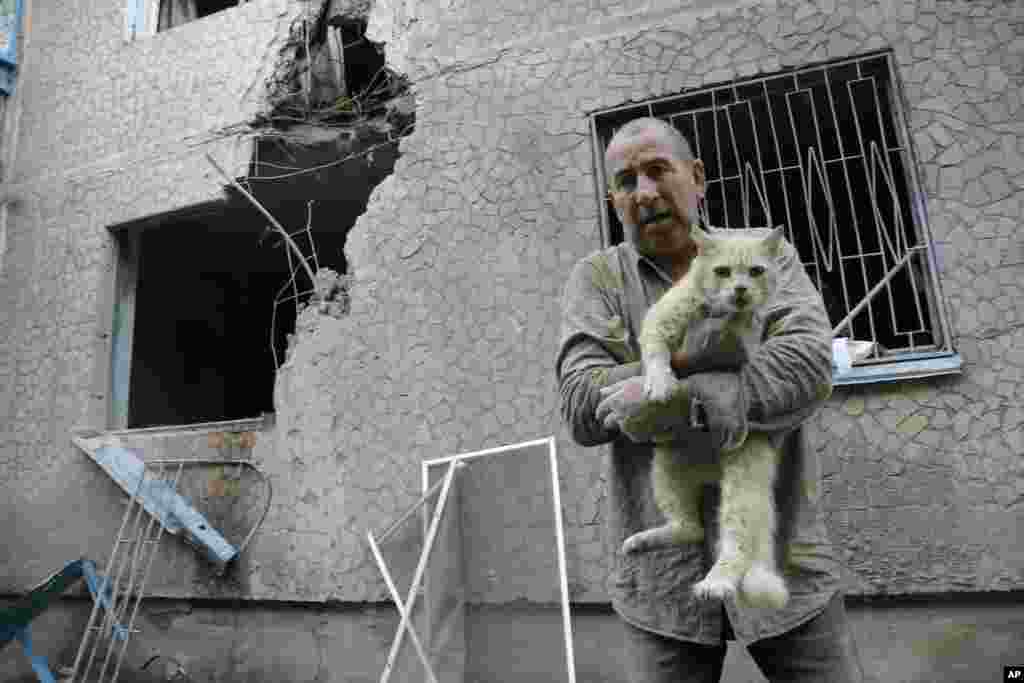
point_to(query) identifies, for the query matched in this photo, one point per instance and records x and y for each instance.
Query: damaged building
(331, 238)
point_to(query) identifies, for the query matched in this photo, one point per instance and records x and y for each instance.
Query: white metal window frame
(905, 364)
(440, 489)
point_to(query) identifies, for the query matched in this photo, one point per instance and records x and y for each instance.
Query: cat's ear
(700, 238)
(773, 242)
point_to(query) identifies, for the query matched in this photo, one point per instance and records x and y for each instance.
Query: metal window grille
(823, 151)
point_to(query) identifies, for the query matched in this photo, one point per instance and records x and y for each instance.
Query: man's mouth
(649, 217)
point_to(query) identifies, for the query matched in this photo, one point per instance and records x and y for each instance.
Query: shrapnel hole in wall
(214, 293)
(331, 131)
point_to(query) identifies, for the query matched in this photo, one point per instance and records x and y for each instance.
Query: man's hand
(624, 406)
(723, 399)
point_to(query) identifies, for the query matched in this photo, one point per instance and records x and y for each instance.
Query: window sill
(252, 424)
(911, 368)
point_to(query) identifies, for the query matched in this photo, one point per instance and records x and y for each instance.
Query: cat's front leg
(659, 380)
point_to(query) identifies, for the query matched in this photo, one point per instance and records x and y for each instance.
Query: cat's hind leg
(762, 586)
(745, 514)
(677, 488)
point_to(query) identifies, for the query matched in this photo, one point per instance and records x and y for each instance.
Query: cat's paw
(649, 539)
(658, 386)
(763, 587)
(714, 587)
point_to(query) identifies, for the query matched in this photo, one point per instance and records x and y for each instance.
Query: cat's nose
(741, 289)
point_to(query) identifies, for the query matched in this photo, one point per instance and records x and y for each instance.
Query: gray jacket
(604, 304)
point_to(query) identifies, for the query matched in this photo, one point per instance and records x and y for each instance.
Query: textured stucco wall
(460, 261)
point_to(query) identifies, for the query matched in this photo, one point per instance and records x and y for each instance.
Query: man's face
(655, 194)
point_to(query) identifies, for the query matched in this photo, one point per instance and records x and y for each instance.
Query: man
(657, 187)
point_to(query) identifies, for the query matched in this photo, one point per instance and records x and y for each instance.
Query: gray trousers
(821, 650)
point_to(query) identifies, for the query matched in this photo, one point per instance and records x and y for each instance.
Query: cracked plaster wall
(462, 254)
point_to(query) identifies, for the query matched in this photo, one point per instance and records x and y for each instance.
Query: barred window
(822, 150)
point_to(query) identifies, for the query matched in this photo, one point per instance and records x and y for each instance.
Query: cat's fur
(719, 298)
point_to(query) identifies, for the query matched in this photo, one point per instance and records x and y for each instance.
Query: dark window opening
(206, 333)
(177, 12)
(207, 7)
(821, 150)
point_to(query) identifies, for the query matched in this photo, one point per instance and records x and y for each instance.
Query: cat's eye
(756, 271)
(723, 271)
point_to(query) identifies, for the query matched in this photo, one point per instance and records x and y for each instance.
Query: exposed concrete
(968, 642)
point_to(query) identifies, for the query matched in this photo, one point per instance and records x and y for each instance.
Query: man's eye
(756, 271)
(625, 182)
(723, 271)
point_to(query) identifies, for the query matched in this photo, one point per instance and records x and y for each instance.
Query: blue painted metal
(15, 622)
(923, 365)
(158, 498)
(24, 635)
(10, 24)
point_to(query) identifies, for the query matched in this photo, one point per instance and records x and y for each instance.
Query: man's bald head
(656, 186)
(664, 130)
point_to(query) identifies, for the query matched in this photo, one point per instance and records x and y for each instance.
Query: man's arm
(594, 350)
(791, 373)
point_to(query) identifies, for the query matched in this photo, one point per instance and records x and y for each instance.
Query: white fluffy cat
(720, 298)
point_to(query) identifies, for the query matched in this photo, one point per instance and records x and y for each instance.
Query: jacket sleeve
(790, 376)
(594, 351)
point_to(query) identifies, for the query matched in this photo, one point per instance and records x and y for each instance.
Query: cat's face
(736, 273)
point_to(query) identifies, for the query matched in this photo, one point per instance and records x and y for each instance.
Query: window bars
(824, 151)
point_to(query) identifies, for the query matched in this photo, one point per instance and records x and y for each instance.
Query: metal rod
(417, 576)
(397, 598)
(874, 290)
(266, 214)
(410, 512)
(563, 576)
(113, 580)
(142, 584)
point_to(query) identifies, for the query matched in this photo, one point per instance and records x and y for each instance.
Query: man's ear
(698, 175)
(701, 239)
